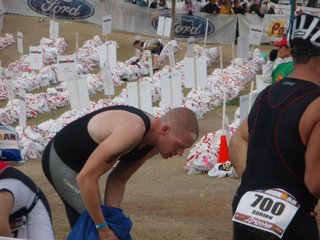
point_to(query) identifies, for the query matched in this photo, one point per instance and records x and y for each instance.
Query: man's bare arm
(6, 205)
(312, 172)
(238, 148)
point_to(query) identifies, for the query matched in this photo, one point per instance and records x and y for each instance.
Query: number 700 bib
(270, 210)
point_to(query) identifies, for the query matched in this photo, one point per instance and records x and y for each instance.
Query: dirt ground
(162, 200)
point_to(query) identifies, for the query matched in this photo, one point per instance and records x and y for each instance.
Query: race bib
(19, 228)
(270, 210)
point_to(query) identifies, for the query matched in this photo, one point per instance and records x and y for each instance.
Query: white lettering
(54, 6)
(183, 29)
(274, 193)
(259, 223)
(74, 188)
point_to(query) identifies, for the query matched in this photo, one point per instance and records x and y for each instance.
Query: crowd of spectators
(256, 7)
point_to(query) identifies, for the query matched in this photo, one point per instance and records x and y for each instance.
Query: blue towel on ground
(116, 219)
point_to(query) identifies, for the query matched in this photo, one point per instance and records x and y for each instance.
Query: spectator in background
(239, 7)
(255, 8)
(280, 63)
(142, 3)
(155, 47)
(264, 9)
(211, 7)
(226, 7)
(188, 7)
(154, 4)
(272, 9)
(162, 5)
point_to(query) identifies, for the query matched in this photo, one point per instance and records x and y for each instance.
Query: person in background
(276, 149)
(264, 9)
(24, 209)
(188, 7)
(211, 7)
(118, 140)
(142, 3)
(255, 8)
(226, 7)
(272, 9)
(162, 5)
(239, 8)
(154, 4)
(280, 63)
(155, 47)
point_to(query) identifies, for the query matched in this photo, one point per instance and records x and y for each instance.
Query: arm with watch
(88, 182)
(92, 205)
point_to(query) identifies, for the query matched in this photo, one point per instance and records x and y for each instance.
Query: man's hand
(107, 234)
(135, 62)
(273, 54)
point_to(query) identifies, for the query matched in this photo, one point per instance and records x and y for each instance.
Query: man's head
(137, 44)
(179, 130)
(284, 50)
(304, 37)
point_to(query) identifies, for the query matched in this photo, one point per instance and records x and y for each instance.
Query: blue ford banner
(66, 9)
(186, 26)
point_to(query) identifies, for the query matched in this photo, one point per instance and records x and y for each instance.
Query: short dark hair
(136, 42)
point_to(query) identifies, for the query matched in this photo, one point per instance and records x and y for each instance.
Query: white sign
(20, 42)
(244, 104)
(191, 42)
(106, 25)
(1, 69)
(166, 90)
(201, 72)
(195, 72)
(67, 68)
(78, 92)
(54, 30)
(107, 81)
(176, 88)
(255, 34)
(145, 96)
(243, 47)
(171, 56)
(10, 85)
(150, 63)
(189, 79)
(36, 61)
(133, 95)
(23, 108)
(108, 55)
(164, 26)
(103, 55)
(1, 20)
(171, 90)
(260, 83)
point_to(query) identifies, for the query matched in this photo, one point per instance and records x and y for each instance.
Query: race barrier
(141, 20)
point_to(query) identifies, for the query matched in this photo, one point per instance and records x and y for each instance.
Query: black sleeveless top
(276, 155)
(74, 145)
